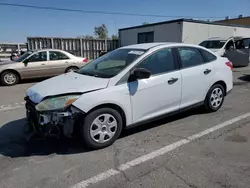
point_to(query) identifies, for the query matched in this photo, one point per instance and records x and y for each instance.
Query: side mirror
(141, 73)
(26, 61)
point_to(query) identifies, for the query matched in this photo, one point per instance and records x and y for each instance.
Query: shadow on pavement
(34, 80)
(162, 121)
(245, 77)
(13, 138)
(13, 143)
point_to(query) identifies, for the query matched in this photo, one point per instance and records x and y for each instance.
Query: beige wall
(237, 21)
(194, 33)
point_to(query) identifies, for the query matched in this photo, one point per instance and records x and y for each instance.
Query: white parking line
(12, 106)
(111, 172)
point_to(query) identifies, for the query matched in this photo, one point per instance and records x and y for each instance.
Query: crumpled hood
(65, 84)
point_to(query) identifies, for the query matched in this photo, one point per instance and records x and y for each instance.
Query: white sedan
(129, 86)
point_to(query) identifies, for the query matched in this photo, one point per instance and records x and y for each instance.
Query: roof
(218, 38)
(184, 20)
(146, 46)
(225, 39)
(241, 18)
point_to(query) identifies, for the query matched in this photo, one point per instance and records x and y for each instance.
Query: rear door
(196, 75)
(37, 66)
(58, 62)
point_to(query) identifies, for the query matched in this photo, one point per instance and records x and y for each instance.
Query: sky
(16, 23)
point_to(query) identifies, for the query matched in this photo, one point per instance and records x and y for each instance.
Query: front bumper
(51, 123)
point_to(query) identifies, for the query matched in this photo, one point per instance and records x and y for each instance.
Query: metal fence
(89, 48)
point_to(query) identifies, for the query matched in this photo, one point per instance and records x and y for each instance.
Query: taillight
(229, 64)
(85, 60)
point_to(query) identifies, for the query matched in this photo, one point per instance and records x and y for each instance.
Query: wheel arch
(114, 106)
(223, 84)
(71, 66)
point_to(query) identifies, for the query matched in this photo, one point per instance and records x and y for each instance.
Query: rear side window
(190, 57)
(208, 57)
(54, 55)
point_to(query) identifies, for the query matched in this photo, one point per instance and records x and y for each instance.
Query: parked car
(236, 49)
(128, 86)
(40, 63)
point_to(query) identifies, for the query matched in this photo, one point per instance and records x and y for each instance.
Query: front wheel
(214, 98)
(9, 78)
(101, 128)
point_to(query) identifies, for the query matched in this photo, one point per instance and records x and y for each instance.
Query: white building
(181, 30)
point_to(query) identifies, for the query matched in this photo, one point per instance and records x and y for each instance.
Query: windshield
(22, 57)
(216, 44)
(112, 63)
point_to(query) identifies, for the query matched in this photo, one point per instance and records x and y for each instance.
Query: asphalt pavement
(191, 149)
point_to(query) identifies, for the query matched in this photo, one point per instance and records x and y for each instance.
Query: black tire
(208, 103)
(88, 141)
(70, 68)
(15, 75)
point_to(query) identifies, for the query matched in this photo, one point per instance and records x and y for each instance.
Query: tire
(215, 98)
(9, 78)
(71, 69)
(94, 141)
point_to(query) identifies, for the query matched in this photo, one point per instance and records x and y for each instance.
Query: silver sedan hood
(65, 84)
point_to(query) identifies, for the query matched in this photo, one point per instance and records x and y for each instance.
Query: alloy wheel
(10, 78)
(103, 128)
(216, 97)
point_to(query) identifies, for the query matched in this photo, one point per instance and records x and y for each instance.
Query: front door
(36, 66)
(159, 94)
(197, 75)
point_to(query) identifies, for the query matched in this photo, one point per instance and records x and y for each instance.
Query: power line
(97, 12)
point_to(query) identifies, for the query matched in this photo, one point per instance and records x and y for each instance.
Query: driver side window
(40, 56)
(160, 62)
(230, 45)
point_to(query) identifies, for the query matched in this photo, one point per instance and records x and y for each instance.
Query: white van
(236, 49)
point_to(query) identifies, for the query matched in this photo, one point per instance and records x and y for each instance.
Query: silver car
(40, 63)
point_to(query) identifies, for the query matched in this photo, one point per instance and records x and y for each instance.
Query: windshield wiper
(89, 74)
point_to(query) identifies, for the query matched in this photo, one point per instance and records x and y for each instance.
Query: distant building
(182, 30)
(237, 21)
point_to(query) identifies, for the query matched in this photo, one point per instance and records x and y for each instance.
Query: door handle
(207, 71)
(172, 80)
(43, 64)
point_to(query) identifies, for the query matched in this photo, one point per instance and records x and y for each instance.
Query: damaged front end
(52, 118)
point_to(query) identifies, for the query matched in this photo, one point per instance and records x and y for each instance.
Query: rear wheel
(71, 69)
(214, 98)
(101, 128)
(9, 78)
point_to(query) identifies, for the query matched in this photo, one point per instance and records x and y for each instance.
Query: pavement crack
(116, 162)
(228, 130)
(178, 136)
(178, 176)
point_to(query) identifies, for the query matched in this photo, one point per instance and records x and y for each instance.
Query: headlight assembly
(56, 102)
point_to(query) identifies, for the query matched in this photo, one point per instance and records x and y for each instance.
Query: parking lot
(192, 149)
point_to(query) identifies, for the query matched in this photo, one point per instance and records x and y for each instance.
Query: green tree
(145, 23)
(101, 31)
(114, 37)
